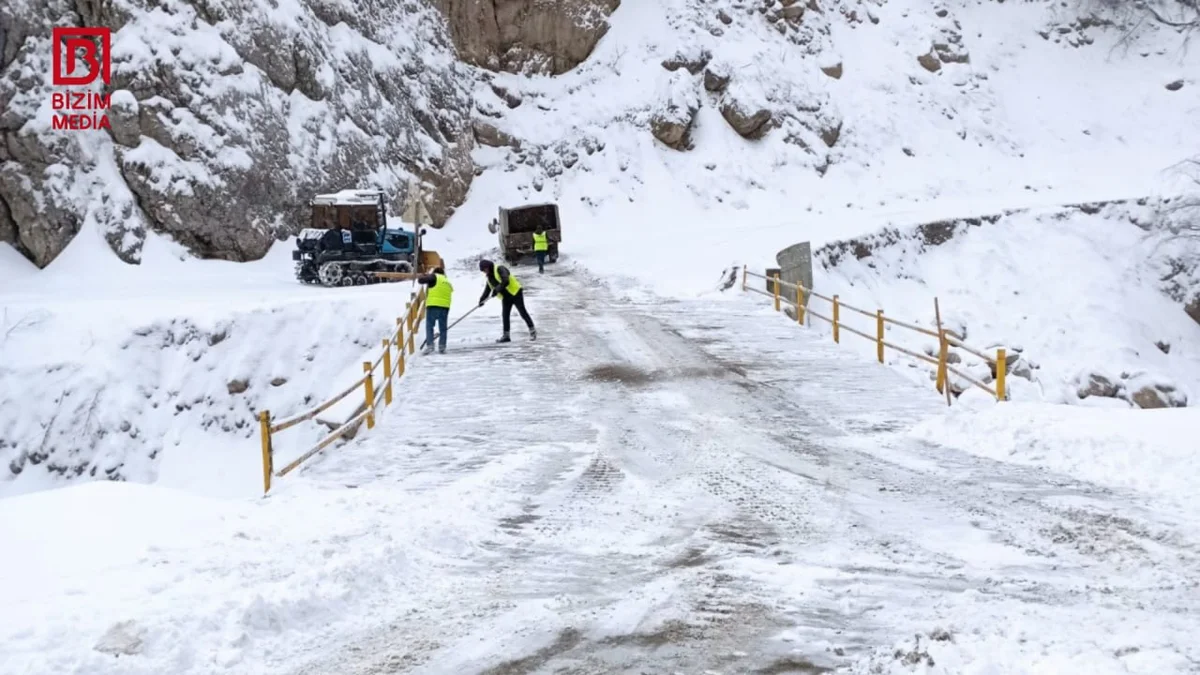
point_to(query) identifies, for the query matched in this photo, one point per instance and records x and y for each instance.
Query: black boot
(532, 333)
(504, 338)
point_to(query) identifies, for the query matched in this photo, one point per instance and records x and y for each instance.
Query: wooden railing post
(943, 354)
(743, 278)
(836, 333)
(399, 346)
(776, 289)
(264, 423)
(387, 372)
(799, 304)
(879, 334)
(369, 385)
(412, 347)
(1001, 372)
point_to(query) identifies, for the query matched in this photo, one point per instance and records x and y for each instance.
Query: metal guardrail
(946, 338)
(392, 370)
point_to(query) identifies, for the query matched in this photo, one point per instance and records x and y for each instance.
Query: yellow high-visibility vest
(513, 284)
(439, 293)
(541, 242)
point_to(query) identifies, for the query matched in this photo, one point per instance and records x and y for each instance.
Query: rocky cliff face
(226, 115)
(533, 36)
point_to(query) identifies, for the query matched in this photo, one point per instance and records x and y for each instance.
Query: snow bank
(1153, 451)
(156, 372)
(981, 637)
(13, 265)
(136, 579)
(1073, 293)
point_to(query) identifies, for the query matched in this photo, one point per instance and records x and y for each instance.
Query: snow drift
(156, 372)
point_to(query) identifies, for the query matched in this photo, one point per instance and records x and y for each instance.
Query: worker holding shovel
(437, 304)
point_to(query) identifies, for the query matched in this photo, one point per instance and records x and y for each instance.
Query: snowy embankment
(1076, 294)
(1152, 451)
(155, 373)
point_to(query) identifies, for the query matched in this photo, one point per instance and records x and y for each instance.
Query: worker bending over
(501, 282)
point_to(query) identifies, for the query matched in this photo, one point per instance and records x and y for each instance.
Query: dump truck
(516, 226)
(371, 251)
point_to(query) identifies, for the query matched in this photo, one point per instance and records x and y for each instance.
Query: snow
(1153, 451)
(132, 369)
(349, 198)
(636, 506)
(670, 476)
(13, 265)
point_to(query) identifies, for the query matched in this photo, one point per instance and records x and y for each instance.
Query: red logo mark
(76, 38)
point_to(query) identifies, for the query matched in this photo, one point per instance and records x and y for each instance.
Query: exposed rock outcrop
(671, 121)
(226, 119)
(1098, 385)
(527, 35)
(1158, 396)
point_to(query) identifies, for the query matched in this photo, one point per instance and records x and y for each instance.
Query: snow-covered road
(695, 486)
(654, 486)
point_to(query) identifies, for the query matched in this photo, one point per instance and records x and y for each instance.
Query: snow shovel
(436, 335)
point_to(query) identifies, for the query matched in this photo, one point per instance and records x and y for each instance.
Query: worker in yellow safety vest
(501, 282)
(437, 307)
(541, 245)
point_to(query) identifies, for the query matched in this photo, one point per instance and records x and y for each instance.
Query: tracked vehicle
(369, 251)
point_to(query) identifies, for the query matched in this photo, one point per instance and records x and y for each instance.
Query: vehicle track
(668, 498)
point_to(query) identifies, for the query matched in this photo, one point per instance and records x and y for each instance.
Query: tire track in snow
(664, 532)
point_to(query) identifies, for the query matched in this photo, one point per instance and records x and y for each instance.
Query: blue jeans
(437, 315)
(541, 258)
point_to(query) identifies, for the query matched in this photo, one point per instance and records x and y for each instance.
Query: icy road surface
(701, 486)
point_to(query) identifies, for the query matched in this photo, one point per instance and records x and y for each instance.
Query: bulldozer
(371, 249)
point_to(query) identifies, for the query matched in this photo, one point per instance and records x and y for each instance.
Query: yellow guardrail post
(1001, 372)
(776, 289)
(836, 334)
(879, 334)
(799, 304)
(943, 354)
(369, 385)
(400, 346)
(387, 372)
(264, 424)
(412, 347)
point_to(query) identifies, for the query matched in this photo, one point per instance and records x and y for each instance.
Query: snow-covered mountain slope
(1022, 105)
(155, 373)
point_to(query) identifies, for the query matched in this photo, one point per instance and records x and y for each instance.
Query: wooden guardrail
(392, 369)
(798, 296)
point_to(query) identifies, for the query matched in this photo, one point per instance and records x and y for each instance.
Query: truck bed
(527, 220)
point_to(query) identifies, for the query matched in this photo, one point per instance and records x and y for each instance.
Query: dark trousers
(438, 315)
(507, 303)
(541, 258)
